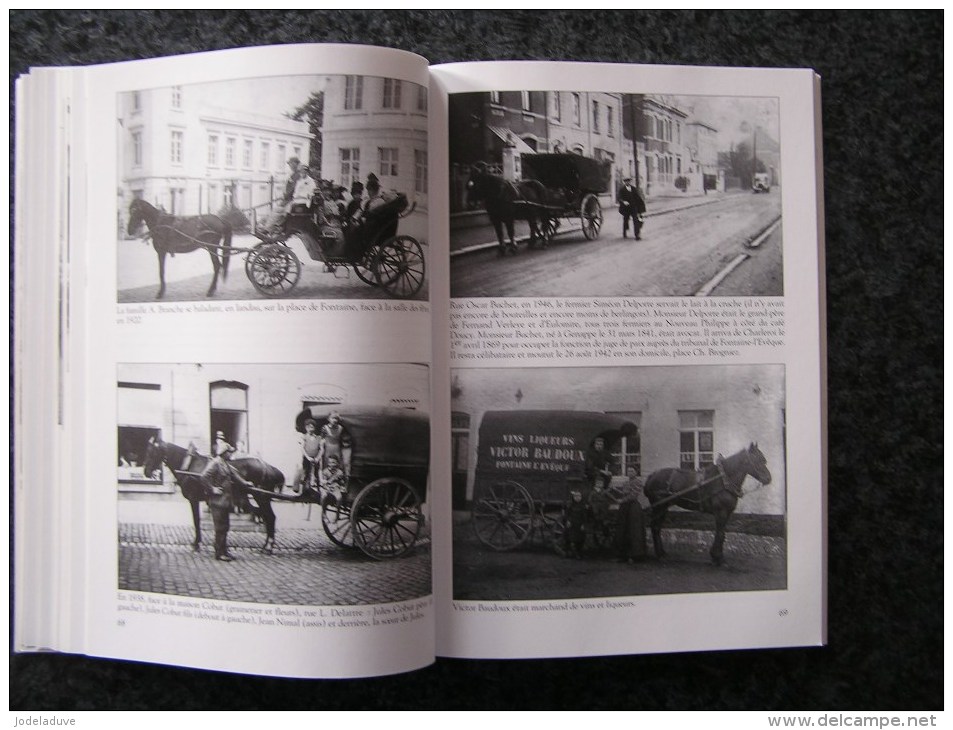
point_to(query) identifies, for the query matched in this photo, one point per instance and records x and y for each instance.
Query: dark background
(883, 149)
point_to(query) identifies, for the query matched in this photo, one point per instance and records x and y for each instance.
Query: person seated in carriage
(375, 196)
(355, 201)
(334, 480)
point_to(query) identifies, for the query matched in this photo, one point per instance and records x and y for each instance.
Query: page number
(783, 612)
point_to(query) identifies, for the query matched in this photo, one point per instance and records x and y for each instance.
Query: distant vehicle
(761, 183)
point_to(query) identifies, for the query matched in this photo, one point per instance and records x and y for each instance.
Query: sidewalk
(461, 243)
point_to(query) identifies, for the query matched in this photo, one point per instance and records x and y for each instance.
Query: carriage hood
(568, 170)
(379, 436)
(544, 442)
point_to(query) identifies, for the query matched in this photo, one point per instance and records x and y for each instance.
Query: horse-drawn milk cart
(528, 463)
(573, 184)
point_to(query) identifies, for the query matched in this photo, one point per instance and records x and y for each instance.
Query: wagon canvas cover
(582, 174)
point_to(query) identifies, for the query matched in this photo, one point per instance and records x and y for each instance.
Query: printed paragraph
(566, 329)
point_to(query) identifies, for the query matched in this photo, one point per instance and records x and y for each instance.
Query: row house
(378, 125)
(188, 157)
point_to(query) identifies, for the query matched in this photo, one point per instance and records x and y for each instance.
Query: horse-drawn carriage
(574, 184)
(528, 464)
(387, 459)
(379, 512)
(371, 246)
(554, 187)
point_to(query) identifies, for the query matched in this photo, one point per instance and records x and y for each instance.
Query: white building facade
(254, 405)
(378, 125)
(187, 157)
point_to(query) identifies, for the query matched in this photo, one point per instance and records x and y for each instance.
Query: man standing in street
(219, 479)
(631, 205)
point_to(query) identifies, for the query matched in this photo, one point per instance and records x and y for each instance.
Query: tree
(312, 111)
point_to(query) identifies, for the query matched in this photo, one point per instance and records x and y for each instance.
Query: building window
(525, 101)
(264, 161)
(494, 97)
(229, 152)
(136, 101)
(696, 439)
(176, 97)
(422, 98)
(297, 153)
(175, 152)
(610, 122)
(576, 110)
(420, 171)
(595, 116)
(391, 98)
(629, 449)
(137, 148)
(388, 161)
(279, 163)
(557, 107)
(247, 154)
(139, 408)
(213, 199)
(213, 150)
(350, 165)
(228, 412)
(353, 92)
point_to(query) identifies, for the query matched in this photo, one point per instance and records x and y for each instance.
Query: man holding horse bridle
(219, 480)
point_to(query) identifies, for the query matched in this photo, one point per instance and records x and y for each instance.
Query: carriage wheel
(386, 518)
(590, 214)
(399, 266)
(365, 267)
(273, 269)
(503, 515)
(336, 521)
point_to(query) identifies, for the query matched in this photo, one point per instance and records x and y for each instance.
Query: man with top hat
(631, 205)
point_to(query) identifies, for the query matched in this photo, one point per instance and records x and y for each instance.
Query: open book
(329, 362)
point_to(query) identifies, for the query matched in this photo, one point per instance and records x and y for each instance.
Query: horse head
(477, 183)
(139, 212)
(155, 453)
(757, 464)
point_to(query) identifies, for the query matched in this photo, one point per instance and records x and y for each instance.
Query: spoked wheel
(386, 518)
(365, 267)
(503, 515)
(336, 521)
(590, 214)
(273, 269)
(557, 529)
(399, 266)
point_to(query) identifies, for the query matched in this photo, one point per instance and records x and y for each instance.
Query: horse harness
(726, 485)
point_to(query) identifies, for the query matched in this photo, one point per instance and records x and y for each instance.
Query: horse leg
(268, 517)
(721, 521)
(509, 229)
(196, 523)
(216, 265)
(161, 255)
(658, 519)
(498, 227)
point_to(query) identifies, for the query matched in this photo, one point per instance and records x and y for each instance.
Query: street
(536, 572)
(156, 556)
(188, 276)
(682, 248)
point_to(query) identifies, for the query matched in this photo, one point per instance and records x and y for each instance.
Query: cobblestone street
(305, 569)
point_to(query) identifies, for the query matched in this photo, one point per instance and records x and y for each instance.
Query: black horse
(187, 466)
(506, 202)
(172, 235)
(715, 491)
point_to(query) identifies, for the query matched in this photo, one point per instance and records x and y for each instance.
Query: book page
(632, 401)
(250, 325)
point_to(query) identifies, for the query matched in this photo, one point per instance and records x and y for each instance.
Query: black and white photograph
(559, 193)
(618, 481)
(283, 484)
(308, 187)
